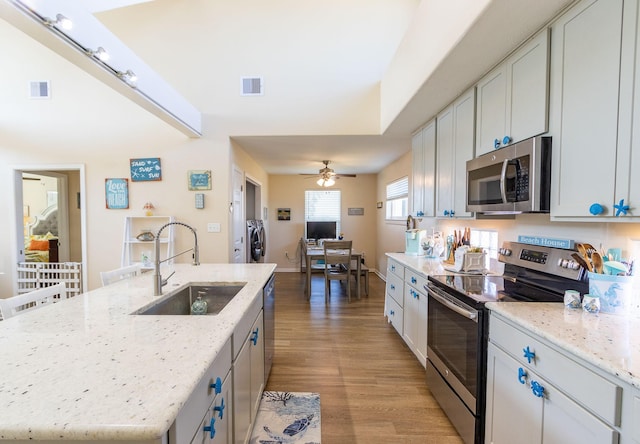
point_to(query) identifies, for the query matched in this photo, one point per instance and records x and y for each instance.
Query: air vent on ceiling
(252, 86)
(39, 90)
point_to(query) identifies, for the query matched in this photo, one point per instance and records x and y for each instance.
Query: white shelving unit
(135, 251)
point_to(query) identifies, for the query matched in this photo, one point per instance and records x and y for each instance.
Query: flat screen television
(322, 230)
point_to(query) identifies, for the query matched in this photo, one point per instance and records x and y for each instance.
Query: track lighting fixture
(129, 77)
(100, 54)
(60, 22)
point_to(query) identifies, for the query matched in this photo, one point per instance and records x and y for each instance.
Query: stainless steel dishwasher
(269, 304)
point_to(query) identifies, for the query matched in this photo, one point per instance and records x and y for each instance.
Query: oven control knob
(506, 252)
(574, 265)
(560, 262)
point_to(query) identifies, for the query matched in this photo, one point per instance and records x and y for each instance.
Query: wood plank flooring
(372, 388)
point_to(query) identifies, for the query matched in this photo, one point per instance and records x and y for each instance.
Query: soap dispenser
(199, 306)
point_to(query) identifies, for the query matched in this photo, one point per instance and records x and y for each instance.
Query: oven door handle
(473, 315)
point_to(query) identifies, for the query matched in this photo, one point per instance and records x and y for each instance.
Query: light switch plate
(199, 201)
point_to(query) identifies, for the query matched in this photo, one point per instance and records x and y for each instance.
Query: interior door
(237, 217)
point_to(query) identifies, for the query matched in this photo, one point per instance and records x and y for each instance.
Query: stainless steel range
(457, 330)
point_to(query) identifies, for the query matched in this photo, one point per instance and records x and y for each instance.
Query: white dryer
(254, 244)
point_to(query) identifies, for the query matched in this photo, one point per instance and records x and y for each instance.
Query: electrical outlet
(213, 227)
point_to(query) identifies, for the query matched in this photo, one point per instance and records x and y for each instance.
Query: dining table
(313, 253)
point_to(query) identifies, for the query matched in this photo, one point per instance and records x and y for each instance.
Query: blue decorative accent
(413, 280)
(621, 208)
(420, 213)
(286, 417)
(393, 287)
(211, 428)
(451, 213)
(254, 336)
(537, 389)
(446, 212)
(596, 209)
(528, 354)
(567, 244)
(217, 386)
(392, 313)
(506, 140)
(522, 375)
(496, 143)
(220, 409)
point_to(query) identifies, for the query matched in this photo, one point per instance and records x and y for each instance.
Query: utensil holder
(615, 292)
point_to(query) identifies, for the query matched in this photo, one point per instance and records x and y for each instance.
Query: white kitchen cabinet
(415, 314)
(248, 373)
(594, 98)
(211, 398)
(423, 146)
(137, 251)
(394, 295)
(539, 394)
(455, 146)
(512, 100)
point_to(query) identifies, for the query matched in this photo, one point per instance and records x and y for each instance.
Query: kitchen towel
(287, 418)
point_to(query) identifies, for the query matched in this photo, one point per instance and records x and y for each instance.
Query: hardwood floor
(372, 388)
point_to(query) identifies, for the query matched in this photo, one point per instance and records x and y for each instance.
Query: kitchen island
(87, 369)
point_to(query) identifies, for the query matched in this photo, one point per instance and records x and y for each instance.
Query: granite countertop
(605, 340)
(421, 264)
(85, 369)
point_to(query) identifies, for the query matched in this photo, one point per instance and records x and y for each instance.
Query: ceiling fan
(326, 176)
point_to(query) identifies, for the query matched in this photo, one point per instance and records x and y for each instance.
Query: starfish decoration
(528, 354)
(621, 208)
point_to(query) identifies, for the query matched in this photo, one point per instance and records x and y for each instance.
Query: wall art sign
(117, 193)
(199, 180)
(145, 169)
(355, 211)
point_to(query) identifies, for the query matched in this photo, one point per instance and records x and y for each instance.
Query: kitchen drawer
(395, 314)
(414, 279)
(591, 390)
(395, 268)
(394, 288)
(202, 397)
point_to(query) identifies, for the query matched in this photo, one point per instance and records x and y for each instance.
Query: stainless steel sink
(216, 294)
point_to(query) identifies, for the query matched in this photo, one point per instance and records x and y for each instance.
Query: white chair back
(109, 277)
(33, 300)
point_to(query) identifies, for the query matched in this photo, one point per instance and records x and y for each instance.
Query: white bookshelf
(136, 251)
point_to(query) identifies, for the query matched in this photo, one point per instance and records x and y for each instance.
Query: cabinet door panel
(491, 110)
(417, 177)
(513, 413)
(242, 394)
(565, 421)
(528, 95)
(444, 161)
(464, 139)
(429, 168)
(584, 86)
(257, 365)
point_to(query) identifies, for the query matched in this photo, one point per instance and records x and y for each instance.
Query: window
(322, 205)
(398, 199)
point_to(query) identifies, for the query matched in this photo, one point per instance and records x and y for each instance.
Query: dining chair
(364, 273)
(32, 300)
(109, 277)
(337, 265)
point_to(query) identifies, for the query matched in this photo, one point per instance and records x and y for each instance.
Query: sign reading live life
(147, 169)
(567, 244)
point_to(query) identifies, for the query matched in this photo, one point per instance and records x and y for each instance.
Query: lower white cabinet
(415, 314)
(211, 399)
(538, 394)
(248, 376)
(216, 428)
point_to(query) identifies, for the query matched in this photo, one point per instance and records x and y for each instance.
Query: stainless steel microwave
(513, 179)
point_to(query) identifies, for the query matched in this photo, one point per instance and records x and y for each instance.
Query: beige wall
(390, 236)
(286, 191)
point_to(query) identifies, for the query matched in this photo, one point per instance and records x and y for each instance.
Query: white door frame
(17, 209)
(238, 238)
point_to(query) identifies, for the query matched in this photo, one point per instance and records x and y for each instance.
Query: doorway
(38, 191)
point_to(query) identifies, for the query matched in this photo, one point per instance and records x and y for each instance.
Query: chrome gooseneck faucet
(158, 282)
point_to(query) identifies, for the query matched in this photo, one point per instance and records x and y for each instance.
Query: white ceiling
(322, 67)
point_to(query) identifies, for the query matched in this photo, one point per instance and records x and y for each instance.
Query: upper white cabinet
(512, 99)
(593, 98)
(455, 145)
(424, 167)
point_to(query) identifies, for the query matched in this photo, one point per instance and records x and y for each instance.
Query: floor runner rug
(287, 418)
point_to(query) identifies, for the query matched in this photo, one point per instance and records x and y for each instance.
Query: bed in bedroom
(41, 243)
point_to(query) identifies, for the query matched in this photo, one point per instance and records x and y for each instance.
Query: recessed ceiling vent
(252, 86)
(39, 90)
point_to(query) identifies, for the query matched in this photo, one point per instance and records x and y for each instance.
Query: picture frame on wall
(199, 180)
(284, 213)
(145, 169)
(116, 193)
